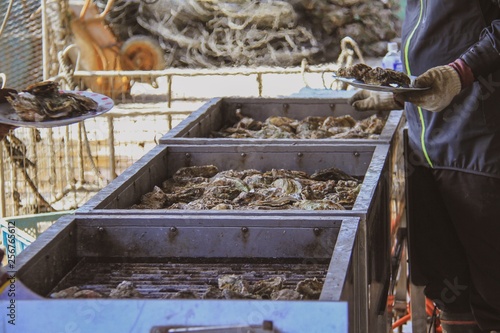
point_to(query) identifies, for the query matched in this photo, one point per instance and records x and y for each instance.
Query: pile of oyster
(229, 287)
(205, 187)
(44, 101)
(236, 287)
(343, 127)
(376, 76)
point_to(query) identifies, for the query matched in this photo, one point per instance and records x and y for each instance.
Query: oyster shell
(184, 294)
(286, 294)
(43, 100)
(265, 288)
(125, 289)
(250, 189)
(331, 174)
(204, 171)
(310, 288)
(376, 76)
(311, 127)
(356, 71)
(234, 283)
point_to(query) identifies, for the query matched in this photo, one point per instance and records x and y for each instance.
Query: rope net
(211, 33)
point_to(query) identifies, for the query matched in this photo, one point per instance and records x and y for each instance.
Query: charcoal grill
(221, 112)
(372, 205)
(164, 254)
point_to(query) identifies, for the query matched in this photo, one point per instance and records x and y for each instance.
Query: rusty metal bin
(97, 253)
(221, 112)
(371, 162)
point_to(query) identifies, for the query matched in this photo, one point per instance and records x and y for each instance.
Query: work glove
(444, 82)
(365, 100)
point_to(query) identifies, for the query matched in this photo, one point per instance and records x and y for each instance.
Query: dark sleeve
(484, 57)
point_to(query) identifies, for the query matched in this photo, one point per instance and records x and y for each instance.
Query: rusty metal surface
(221, 112)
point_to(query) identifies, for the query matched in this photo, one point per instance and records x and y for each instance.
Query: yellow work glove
(365, 100)
(444, 83)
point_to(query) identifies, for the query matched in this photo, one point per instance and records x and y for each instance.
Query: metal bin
(97, 252)
(371, 162)
(220, 112)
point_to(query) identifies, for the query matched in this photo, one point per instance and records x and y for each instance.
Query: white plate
(375, 87)
(9, 116)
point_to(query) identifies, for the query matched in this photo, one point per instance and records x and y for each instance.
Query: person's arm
(483, 58)
(445, 82)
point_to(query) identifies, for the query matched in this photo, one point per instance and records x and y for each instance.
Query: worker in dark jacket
(453, 47)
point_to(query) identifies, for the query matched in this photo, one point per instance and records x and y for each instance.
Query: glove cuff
(454, 81)
(464, 71)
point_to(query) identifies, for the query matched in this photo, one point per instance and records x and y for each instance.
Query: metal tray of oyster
(289, 120)
(239, 174)
(160, 271)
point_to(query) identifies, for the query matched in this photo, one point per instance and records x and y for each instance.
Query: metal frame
(220, 112)
(372, 275)
(59, 249)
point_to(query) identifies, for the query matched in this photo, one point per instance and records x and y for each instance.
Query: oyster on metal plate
(43, 101)
(375, 76)
(356, 71)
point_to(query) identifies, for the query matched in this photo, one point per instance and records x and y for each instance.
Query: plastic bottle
(392, 59)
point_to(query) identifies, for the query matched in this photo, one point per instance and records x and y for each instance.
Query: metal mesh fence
(58, 169)
(21, 43)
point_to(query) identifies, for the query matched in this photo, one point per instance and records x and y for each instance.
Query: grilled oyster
(234, 283)
(44, 88)
(310, 288)
(385, 77)
(264, 288)
(43, 101)
(125, 289)
(212, 293)
(376, 76)
(75, 292)
(286, 294)
(65, 293)
(356, 71)
(184, 294)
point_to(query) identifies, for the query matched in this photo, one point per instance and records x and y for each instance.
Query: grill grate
(163, 279)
